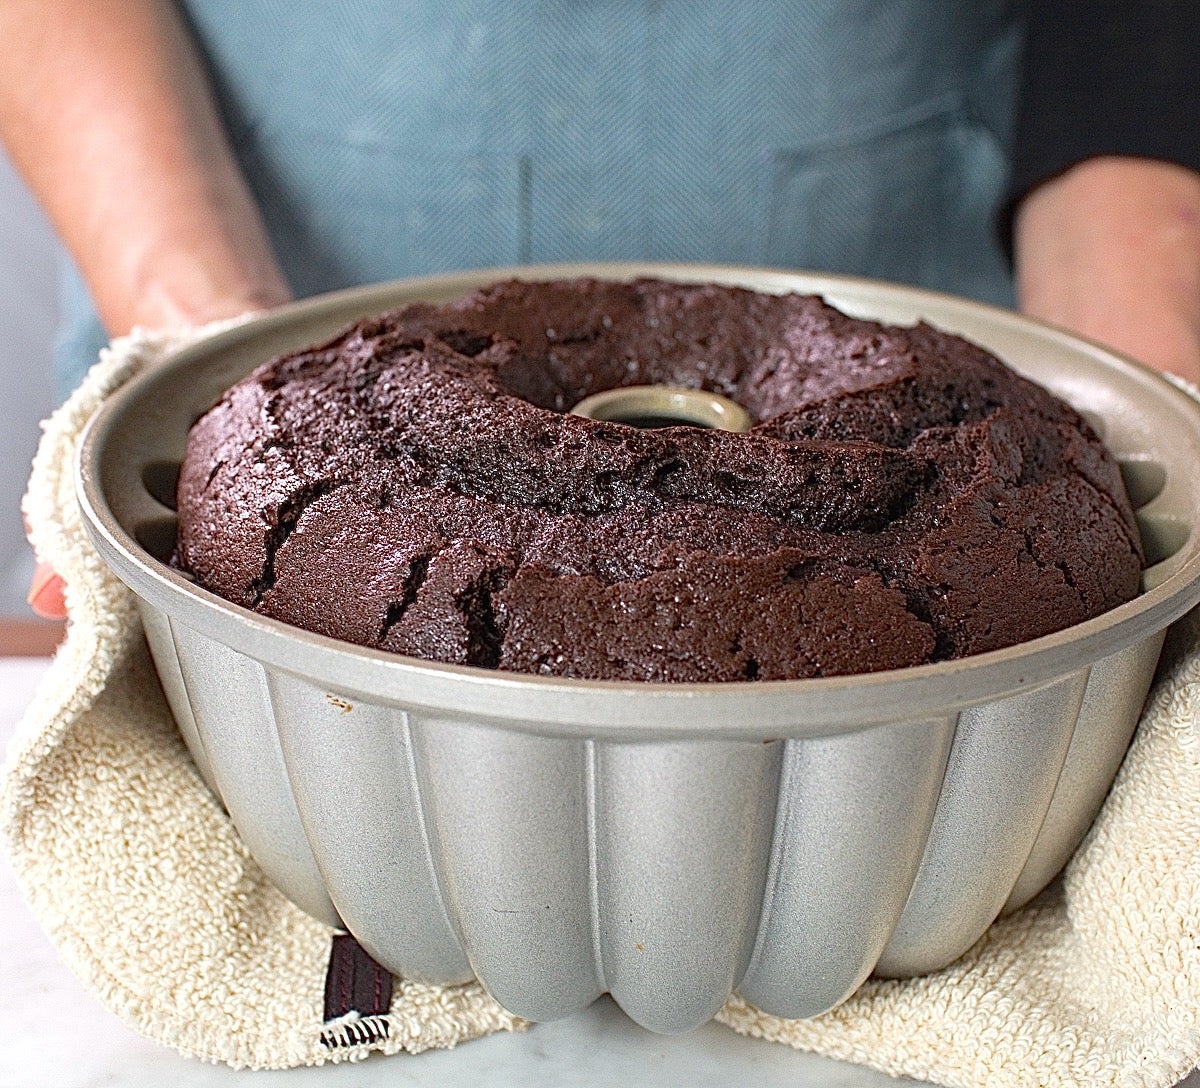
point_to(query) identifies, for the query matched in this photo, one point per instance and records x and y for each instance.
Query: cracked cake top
(417, 484)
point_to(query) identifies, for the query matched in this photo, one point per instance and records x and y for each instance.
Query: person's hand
(46, 590)
(46, 593)
(1111, 250)
(110, 118)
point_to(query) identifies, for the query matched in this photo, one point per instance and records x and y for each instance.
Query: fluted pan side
(1002, 772)
(353, 770)
(665, 872)
(507, 818)
(682, 841)
(1112, 703)
(234, 719)
(853, 817)
(166, 663)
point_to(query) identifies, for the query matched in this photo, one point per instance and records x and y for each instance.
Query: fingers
(46, 593)
(46, 596)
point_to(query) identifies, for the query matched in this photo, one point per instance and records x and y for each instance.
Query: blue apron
(389, 138)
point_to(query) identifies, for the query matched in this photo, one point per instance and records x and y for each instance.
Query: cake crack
(418, 569)
(287, 516)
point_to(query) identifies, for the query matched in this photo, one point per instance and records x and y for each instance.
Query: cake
(418, 484)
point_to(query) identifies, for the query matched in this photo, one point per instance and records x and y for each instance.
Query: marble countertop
(53, 1032)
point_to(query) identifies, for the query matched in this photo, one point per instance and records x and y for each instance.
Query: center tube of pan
(652, 406)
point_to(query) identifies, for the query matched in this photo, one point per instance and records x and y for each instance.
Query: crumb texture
(417, 484)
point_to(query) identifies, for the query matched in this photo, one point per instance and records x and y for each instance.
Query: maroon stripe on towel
(354, 982)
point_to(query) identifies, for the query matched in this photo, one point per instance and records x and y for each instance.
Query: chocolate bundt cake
(418, 484)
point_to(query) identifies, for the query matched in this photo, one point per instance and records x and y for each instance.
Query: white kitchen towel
(151, 898)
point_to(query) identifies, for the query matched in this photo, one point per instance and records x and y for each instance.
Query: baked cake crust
(417, 484)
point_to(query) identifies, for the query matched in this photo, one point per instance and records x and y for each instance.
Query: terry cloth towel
(142, 883)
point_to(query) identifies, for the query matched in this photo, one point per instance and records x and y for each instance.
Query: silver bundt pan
(665, 843)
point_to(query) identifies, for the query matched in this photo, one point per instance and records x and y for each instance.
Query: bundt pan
(667, 844)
